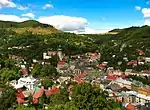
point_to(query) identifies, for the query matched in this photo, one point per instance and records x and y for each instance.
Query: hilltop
(30, 26)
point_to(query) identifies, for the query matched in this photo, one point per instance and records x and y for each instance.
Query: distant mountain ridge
(30, 25)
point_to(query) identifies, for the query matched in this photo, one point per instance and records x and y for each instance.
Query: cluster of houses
(125, 91)
(132, 94)
(77, 66)
(86, 68)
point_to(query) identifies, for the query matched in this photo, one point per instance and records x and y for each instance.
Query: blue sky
(93, 14)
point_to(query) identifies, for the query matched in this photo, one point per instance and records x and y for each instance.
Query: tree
(7, 75)
(10, 63)
(21, 107)
(54, 60)
(36, 70)
(85, 96)
(46, 82)
(68, 106)
(48, 70)
(61, 98)
(8, 98)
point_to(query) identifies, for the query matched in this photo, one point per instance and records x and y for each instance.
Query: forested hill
(123, 44)
(30, 25)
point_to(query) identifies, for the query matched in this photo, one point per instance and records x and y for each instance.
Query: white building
(147, 60)
(28, 82)
(45, 56)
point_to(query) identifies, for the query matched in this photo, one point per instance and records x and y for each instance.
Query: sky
(79, 16)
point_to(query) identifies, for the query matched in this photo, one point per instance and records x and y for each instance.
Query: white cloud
(93, 31)
(6, 4)
(48, 6)
(30, 15)
(20, 7)
(65, 23)
(14, 18)
(147, 22)
(137, 7)
(146, 12)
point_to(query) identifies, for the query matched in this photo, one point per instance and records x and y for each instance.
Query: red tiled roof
(38, 94)
(93, 58)
(61, 63)
(20, 100)
(20, 95)
(147, 72)
(123, 76)
(79, 81)
(82, 75)
(132, 63)
(54, 90)
(111, 77)
(101, 65)
(35, 101)
(70, 87)
(140, 51)
(130, 107)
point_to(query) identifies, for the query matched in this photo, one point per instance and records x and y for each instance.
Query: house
(81, 75)
(20, 97)
(145, 91)
(61, 79)
(111, 78)
(77, 71)
(123, 83)
(29, 82)
(91, 54)
(79, 80)
(125, 58)
(52, 91)
(51, 53)
(147, 59)
(15, 57)
(45, 56)
(37, 95)
(101, 66)
(114, 87)
(140, 52)
(130, 107)
(130, 72)
(61, 64)
(132, 63)
(114, 72)
(27, 93)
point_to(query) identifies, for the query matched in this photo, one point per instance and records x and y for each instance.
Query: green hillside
(29, 23)
(30, 26)
(123, 44)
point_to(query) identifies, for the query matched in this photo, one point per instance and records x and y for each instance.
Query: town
(122, 87)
